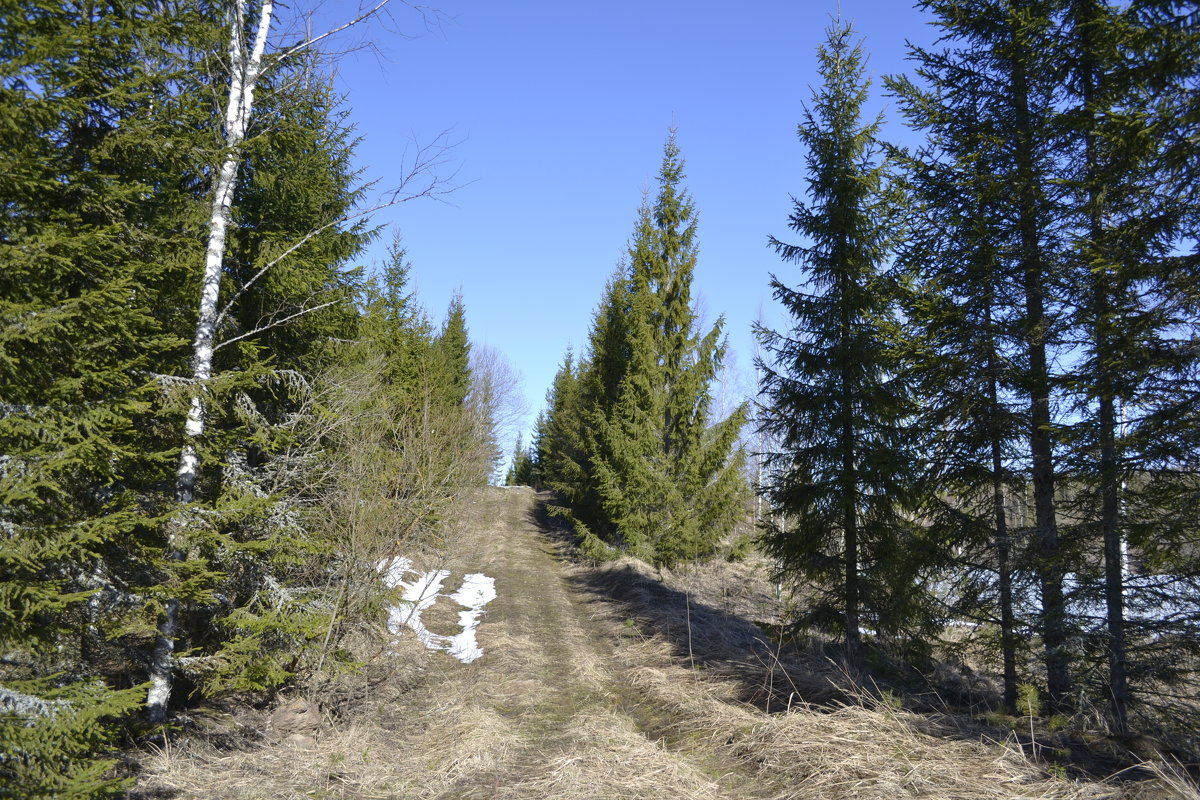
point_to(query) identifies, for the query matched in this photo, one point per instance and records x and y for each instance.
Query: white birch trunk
(244, 72)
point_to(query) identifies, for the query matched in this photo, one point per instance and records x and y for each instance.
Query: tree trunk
(854, 651)
(243, 77)
(1008, 639)
(1103, 321)
(1049, 562)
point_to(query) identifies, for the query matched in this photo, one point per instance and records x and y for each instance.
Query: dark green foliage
(629, 437)
(1046, 257)
(561, 455)
(960, 302)
(991, 111)
(841, 484)
(452, 349)
(521, 466)
(79, 343)
(669, 477)
(52, 736)
(1123, 73)
(93, 127)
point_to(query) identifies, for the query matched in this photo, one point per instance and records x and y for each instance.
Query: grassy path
(603, 684)
(557, 713)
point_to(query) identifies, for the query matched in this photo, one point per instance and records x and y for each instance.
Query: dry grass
(608, 682)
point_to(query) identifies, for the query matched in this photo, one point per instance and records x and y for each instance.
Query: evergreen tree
(520, 469)
(1127, 222)
(97, 202)
(271, 340)
(841, 486)
(561, 457)
(960, 346)
(669, 478)
(1025, 102)
(536, 474)
(599, 377)
(452, 349)
(997, 63)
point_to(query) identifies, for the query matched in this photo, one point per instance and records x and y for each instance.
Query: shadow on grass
(772, 675)
(775, 674)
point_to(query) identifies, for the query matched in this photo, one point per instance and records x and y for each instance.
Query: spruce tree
(599, 376)
(996, 61)
(669, 477)
(274, 335)
(959, 306)
(561, 455)
(95, 230)
(1122, 65)
(1026, 107)
(453, 352)
(841, 484)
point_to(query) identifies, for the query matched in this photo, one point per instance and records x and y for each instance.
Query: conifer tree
(1121, 65)
(94, 128)
(959, 305)
(561, 456)
(992, 103)
(452, 349)
(841, 485)
(669, 477)
(599, 376)
(520, 468)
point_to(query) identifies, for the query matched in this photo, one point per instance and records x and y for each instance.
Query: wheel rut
(559, 712)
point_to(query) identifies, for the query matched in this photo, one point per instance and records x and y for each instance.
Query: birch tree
(249, 36)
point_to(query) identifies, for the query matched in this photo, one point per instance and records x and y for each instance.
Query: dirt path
(554, 711)
(600, 684)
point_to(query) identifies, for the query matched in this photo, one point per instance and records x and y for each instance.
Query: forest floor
(606, 681)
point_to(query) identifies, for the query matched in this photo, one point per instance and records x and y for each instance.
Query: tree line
(982, 411)
(213, 424)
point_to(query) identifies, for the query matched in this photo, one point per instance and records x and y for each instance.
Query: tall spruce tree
(561, 455)
(599, 376)
(996, 62)
(840, 485)
(669, 477)
(1016, 36)
(94, 231)
(959, 306)
(453, 352)
(1127, 223)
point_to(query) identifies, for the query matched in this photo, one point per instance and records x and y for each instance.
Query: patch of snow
(476, 591)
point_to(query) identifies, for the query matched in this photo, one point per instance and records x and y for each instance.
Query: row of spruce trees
(629, 437)
(338, 421)
(984, 409)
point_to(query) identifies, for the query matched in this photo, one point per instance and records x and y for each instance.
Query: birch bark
(244, 70)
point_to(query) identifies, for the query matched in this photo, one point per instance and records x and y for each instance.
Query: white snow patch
(476, 591)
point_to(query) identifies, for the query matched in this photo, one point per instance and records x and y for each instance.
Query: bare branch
(362, 16)
(427, 158)
(276, 323)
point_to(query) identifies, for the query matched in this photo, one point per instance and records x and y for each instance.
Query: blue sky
(560, 110)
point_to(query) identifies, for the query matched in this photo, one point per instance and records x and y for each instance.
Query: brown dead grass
(595, 685)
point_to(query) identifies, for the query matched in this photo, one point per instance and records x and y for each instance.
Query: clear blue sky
(560, 110)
